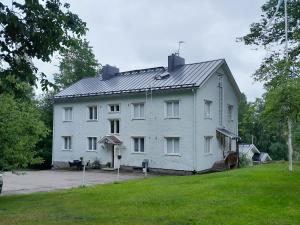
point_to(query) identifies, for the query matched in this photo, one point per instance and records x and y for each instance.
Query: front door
(112, 156)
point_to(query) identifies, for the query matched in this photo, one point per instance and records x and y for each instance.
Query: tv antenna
(179, 45)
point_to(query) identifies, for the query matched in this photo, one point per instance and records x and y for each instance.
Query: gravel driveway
(48, 180)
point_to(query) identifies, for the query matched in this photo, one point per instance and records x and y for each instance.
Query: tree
(76, 62)
(33, 30)
(279, 70)
(20, 130)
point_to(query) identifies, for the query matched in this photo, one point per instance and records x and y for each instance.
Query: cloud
(135, 34)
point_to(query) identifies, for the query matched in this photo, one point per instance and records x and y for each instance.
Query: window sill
(91, 150)
(208, 118)
(172, 118)
(138, 119)
(174, 154)
(208, 154)
(116, 112)
(138, 153)
(67, 150)
(92, 120)
(67, 121)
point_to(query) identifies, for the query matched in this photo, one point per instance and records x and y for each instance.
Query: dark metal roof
(186, 76)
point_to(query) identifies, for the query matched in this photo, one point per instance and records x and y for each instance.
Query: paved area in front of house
(48, 180)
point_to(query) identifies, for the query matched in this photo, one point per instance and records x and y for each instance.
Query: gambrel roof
(158, 78)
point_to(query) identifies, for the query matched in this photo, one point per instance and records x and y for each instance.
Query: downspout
(194, 131)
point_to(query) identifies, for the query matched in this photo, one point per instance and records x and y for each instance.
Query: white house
(182, 117)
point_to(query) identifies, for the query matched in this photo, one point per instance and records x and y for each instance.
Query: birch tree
(279, 70)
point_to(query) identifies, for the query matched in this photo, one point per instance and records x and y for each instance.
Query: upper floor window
(68, 116)
(67, 143)
(172, 145)
(114, 108)
(207, 109)
(114, 126)
(138, 144)
(92, 143)
(93, 112)
(138, 110)
(230, 112)
(172, 109)
(207, 144)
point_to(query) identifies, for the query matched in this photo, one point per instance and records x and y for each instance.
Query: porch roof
(110, 139)
(227, 133)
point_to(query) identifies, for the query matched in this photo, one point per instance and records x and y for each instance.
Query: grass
(266, 194)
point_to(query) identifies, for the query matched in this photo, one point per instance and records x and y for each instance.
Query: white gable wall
(207, 127)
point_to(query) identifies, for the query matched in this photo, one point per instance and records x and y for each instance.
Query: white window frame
(115, 108)
(166, 109)
(69, 143)
(230, 112)
(139, 143)
(173, 153)
(94, 144)
(207, 105)
(115, 125)
(88, 113)
(139, 117)
(65, 119)
(210, 138)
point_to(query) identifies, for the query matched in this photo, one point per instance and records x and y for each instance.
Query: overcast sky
(135, 34)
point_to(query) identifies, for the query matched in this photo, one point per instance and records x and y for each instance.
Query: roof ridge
(213, 60)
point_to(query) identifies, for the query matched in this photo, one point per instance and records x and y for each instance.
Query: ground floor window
(172, 145)
(92, 143)
(67, 143)
(207, 144)
(138, 144)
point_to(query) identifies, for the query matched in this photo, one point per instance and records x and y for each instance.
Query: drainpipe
(194, 131)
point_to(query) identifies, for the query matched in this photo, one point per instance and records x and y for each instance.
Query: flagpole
(286, 30)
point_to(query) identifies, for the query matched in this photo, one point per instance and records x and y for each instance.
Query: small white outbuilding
(248, 150)
(252, 153)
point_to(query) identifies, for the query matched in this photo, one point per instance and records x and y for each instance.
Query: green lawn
(266, 194)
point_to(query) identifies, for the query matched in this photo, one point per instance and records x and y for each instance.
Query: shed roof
(186, 76)
(245, 148)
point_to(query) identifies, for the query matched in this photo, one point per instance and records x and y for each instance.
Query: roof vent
(109, 72)
(175, 61)
(164, 75)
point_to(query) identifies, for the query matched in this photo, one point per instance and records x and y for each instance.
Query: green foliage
(44, 146)
(20, 130)
(272, 38)
(33, 30)
(245, 161)
(264, 195)
(76, 62)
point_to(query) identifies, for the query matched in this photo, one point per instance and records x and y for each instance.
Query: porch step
(219, 166)
(108, 169)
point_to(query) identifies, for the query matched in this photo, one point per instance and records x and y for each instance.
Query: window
(172, 145)
(138, 111)
(230, 112)
(114, 126)
(172, 109)
(93, 113)
(67, 143)
(207, 109)
(68, 114)
(92, 143)
(114, 108)
(207, 144)
(138, 144)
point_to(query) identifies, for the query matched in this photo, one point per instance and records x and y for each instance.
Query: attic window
(164, 75)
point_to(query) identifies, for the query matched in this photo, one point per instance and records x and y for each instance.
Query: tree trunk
(289, 143)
